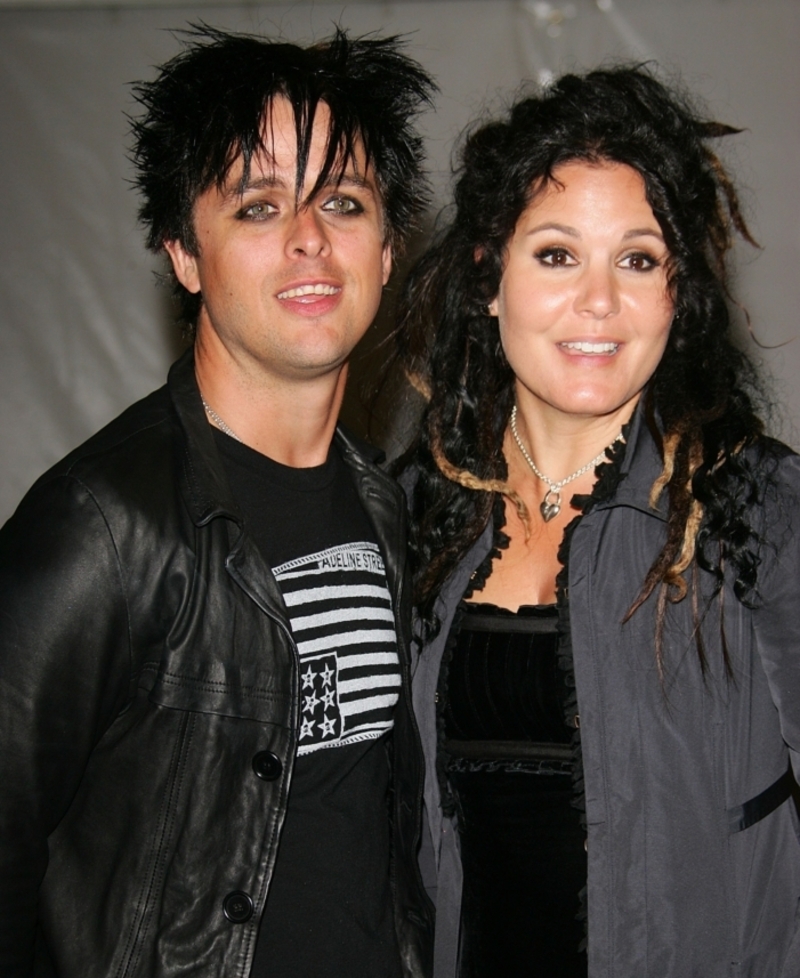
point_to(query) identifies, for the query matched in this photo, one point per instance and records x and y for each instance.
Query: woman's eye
(640, 261)
(555, 257)
(342, 205)
(258, 211)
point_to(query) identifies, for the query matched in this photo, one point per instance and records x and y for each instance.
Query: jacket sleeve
(777, 615)
(64, 673)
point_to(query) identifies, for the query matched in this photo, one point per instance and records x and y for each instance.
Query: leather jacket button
(267, 765)
(237, 907)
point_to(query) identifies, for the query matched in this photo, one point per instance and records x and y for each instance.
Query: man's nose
(307, 235)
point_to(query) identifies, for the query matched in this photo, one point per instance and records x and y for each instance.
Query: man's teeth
(592, 347)
(318, 289)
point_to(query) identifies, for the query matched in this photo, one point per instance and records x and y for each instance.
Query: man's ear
(184, 265)
(387, 258)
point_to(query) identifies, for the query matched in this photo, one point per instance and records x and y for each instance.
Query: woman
(607, 552)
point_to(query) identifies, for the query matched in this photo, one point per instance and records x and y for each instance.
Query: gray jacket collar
(639, 468)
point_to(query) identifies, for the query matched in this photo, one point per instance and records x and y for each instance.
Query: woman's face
(584, 308)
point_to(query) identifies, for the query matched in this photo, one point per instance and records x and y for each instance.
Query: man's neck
(291, 420)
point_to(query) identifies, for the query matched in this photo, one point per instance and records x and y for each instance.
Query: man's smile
(300, 291)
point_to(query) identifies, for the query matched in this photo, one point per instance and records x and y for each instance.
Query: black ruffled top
(508, 763)
(505, 690)
(510, 767)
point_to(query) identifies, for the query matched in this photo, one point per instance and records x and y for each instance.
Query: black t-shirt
(329, 908)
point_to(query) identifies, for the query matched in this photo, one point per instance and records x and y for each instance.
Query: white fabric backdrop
(83, 328)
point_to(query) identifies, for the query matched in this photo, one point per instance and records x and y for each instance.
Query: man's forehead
(275, 165)
(274, 161)
(266, 171)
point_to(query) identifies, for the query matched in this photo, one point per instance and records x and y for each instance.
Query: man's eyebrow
(347, 180)
(271, 182)
(236, 190)
(350, 180)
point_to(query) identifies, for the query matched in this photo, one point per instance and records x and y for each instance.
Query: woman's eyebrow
(643, 232)
(554, 226)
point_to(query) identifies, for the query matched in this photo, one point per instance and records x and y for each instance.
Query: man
(208, 758)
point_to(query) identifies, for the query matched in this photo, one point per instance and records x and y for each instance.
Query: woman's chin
(589, 404)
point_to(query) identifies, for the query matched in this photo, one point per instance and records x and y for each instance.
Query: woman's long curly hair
(697, 403)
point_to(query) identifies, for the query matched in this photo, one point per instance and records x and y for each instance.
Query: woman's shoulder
(775, 462)
(775, 503)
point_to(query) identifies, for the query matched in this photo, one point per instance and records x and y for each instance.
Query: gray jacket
(693, 855)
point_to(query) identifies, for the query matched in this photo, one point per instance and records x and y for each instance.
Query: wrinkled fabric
(145, 661)
(672, 893)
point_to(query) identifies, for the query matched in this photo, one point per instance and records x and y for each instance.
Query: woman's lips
(591, 348)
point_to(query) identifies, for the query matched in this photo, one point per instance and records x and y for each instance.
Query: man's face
(287, 289)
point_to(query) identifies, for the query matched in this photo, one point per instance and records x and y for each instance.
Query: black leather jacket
(149, 710)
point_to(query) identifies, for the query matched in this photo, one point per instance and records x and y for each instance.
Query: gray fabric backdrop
(84, 330)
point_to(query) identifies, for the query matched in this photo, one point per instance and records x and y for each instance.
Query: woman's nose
(598, 293)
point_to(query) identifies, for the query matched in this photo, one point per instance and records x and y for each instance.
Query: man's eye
(259, 211)
(554, 257)
(342, 205)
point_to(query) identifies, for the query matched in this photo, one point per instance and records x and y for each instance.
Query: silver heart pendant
(549, 510)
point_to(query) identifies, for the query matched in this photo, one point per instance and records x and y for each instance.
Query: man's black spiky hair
(207, 106)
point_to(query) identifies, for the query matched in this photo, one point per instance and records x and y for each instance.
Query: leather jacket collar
(203, 480)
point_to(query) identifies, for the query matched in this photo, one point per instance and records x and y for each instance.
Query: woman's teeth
(583, 347)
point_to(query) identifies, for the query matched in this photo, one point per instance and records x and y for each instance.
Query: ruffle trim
(476, 583)
(609, 475)
(500, 541)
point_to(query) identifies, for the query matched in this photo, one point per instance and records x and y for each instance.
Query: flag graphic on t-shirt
(341, 616)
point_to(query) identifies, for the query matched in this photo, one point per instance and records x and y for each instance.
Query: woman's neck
(561, 444)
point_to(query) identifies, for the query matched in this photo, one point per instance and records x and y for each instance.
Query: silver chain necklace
(550, 506)
(218, 421)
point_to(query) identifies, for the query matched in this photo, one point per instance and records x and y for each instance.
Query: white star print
(341, 614)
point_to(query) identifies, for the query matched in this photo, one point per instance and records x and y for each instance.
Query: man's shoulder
(138, 431)
(125, 463)
(106, 496)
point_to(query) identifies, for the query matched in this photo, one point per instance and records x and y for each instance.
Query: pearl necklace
(550, 506)
(218, 421)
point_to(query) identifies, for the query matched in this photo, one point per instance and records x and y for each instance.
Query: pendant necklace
(219, 422)
(550, 506)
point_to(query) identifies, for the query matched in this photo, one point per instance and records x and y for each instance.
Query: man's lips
(309, 292)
